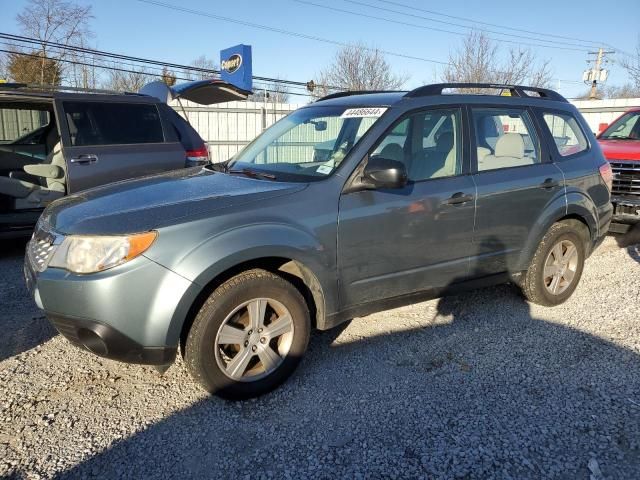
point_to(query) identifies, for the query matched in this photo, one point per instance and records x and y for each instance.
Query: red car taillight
(199, 156)
(607, 175)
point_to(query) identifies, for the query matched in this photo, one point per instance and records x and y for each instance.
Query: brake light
(607, 175)
(199, 156)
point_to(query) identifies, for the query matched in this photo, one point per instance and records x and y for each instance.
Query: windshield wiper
(253, 173)
(619, 137)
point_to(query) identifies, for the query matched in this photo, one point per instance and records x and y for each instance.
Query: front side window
(96, 123)
(308, 144)
(429, 143)
(627, 127)
(505, 137)
(566, 133)
(23, 126)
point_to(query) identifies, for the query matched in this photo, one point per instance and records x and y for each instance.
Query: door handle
(458, 199)
(84, 159)
(549, 183)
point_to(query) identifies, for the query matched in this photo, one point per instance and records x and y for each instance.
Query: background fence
(228, 127)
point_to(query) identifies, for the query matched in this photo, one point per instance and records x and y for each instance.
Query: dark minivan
(55, 142)
(356, 203)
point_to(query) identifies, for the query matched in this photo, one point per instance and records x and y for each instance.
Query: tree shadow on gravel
(22, 325)
(484, 390)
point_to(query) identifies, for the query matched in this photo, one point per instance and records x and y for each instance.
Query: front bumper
(626, 212)
(132, 313)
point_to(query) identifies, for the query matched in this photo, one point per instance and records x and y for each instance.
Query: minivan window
(514, 144)
(20, 126)
(566, 133)
(97, 123)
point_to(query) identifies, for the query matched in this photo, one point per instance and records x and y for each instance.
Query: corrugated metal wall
(16, 123)
(228, 127)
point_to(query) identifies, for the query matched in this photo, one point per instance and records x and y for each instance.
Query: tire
(230, 351)
(537, 284)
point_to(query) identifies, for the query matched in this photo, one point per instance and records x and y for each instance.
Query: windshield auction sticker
(363, 112)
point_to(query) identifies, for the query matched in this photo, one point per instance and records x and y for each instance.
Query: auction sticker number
(363, 112)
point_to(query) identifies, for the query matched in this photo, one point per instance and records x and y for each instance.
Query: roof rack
(58, 88)
(353, 92)
(515, 90)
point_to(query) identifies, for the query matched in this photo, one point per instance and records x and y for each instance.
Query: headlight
(89, 254)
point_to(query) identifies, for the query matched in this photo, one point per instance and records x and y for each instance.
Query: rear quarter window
(566, 133)
(99, 123)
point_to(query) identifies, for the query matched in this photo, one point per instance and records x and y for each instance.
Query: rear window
(566, 133)
(95, 123)
(188, 137)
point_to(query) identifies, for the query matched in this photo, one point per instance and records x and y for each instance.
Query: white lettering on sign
(363, 112)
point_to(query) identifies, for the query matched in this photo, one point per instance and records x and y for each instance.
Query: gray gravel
(481, 385)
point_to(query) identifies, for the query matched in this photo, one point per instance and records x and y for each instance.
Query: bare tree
(56, 21)
(130, 81)
(204, 63)
(632, 65)
(168, 77)
(478, 61)
(358, 67)
(273, 92)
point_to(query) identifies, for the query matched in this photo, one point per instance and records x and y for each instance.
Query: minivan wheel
(249, 336)
(556, 267)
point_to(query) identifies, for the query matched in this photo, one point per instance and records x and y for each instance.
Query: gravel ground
(480, 385)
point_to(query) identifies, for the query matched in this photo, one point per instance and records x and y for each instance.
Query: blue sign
(235, 66)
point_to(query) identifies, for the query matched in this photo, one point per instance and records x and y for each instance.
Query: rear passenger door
(516, 182)
(108, 141)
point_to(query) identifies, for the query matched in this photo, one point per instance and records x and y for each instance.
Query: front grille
(626, 177)
(41, 248)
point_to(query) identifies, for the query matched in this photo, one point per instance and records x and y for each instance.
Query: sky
(133, 27)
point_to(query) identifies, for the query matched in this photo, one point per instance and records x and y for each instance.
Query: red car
(620, 143)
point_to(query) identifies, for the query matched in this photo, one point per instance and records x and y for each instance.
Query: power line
(124, 70)
(470, 27)
(282, 31)
(465, 19)
(72, 48)
(400, 22)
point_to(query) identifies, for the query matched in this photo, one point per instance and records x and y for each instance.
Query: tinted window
(93, 123)
(428, 143)
(566, 133)
(514, 144)
(185, 132)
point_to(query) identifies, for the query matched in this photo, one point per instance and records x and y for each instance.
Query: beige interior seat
(53, 176)
(437, 162)
(509, 153)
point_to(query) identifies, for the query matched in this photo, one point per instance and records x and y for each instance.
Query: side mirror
(384, 173)
(320, 125)
(602, 127)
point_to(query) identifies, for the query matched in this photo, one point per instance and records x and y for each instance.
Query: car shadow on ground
(472, 388)
(22, 324)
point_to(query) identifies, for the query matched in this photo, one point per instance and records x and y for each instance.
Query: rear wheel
(249, 336)
(556, 267)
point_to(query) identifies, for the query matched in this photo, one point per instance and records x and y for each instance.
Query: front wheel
(249, 336)
(556, 267)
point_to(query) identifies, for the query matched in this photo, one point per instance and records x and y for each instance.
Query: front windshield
(308, 144)
(626, 127)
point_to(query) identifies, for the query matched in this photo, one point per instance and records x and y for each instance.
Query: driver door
(395, 242)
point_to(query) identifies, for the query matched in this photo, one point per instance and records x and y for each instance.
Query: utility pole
(597, 74)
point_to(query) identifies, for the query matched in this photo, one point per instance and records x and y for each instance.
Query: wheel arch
(574, 211)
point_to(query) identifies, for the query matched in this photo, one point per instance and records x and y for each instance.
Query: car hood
(620, 149)
(153, 202)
